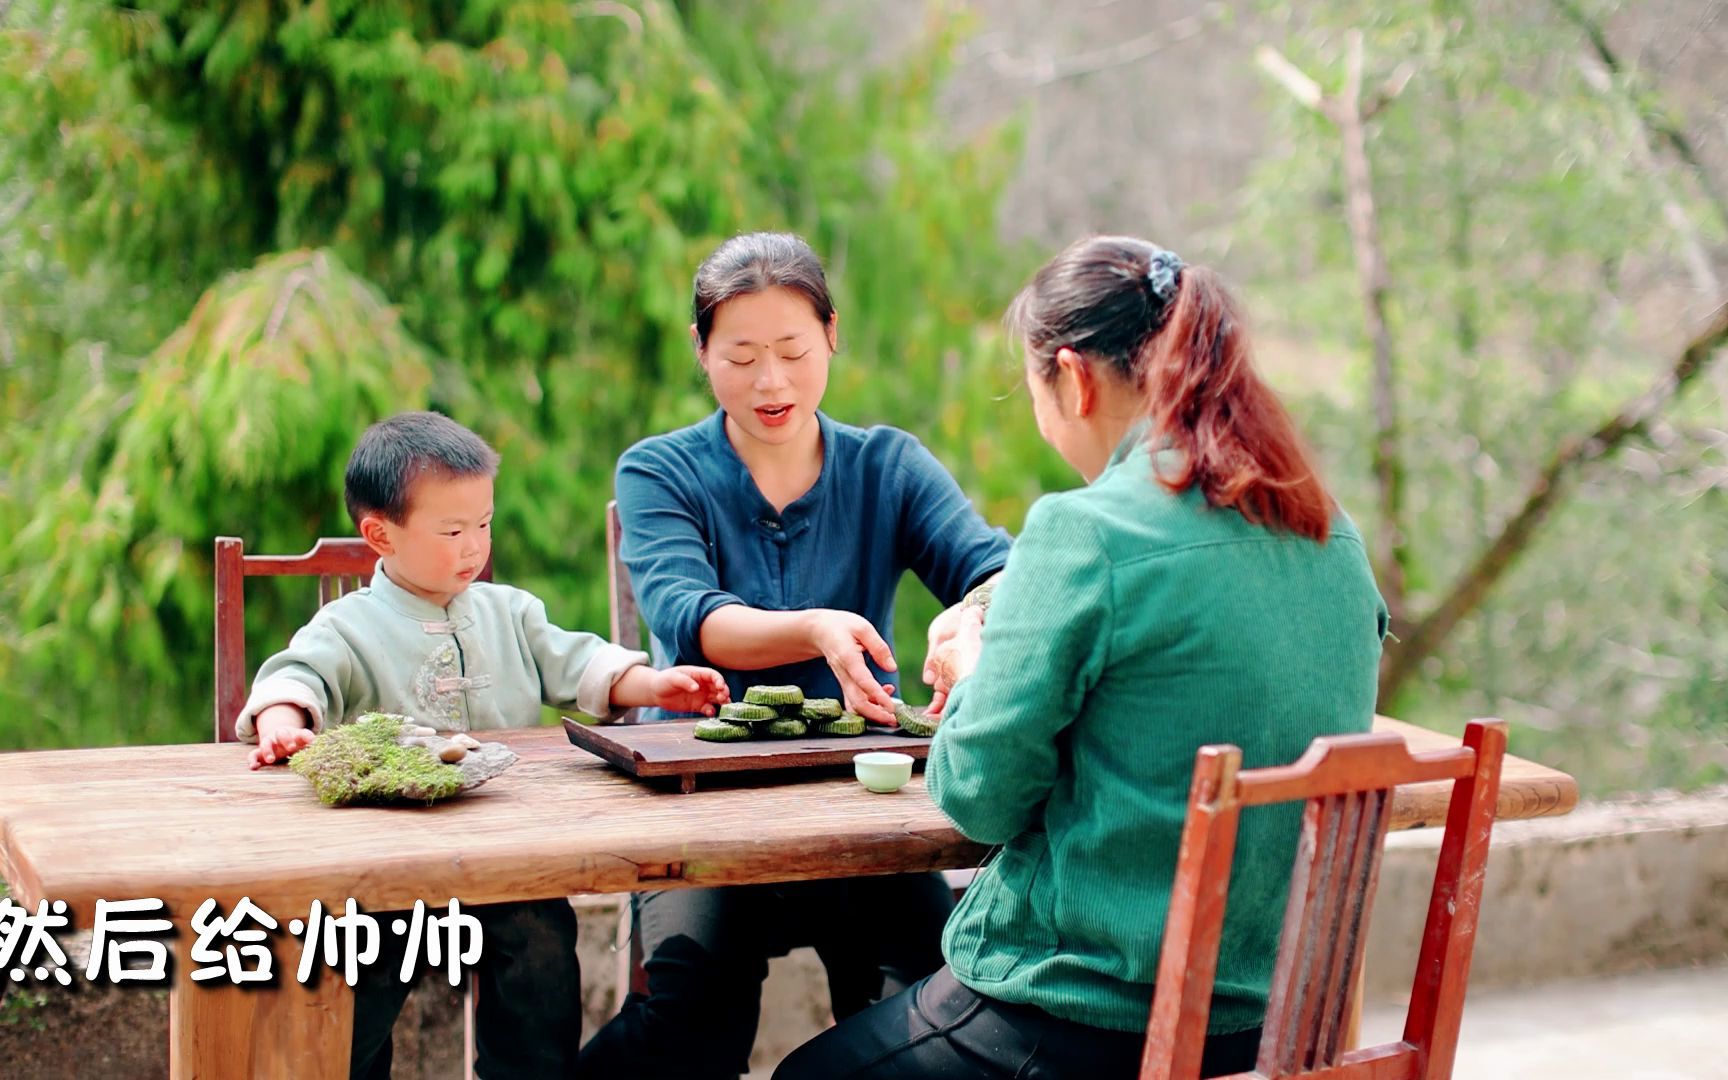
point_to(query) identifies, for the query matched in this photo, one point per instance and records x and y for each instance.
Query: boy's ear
(376, 536)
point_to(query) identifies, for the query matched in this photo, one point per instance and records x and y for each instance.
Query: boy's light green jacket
(489, 660)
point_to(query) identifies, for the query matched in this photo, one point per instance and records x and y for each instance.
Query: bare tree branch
(1403, 657)
(1391, 543)
(1697, 259)
(631, 18)
(15, 207)
(1044, 71)
(1660, 126)
(1291, 78)
(1389, 90)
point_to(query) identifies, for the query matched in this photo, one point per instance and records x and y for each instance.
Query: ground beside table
(188, 823)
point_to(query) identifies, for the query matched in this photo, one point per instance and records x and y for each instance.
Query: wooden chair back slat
(341, 564)
(626, 621)
(1346, 783)
(1320, 951)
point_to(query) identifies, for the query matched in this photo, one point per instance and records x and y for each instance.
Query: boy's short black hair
(394, 453)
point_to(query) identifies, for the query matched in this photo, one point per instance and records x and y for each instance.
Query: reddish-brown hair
(1183, 343)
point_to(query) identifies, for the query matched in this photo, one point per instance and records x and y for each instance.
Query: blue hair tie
(1161, 273)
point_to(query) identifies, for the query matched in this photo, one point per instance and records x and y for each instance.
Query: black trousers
(707, 954)
(943, 1029)
(528, 1016)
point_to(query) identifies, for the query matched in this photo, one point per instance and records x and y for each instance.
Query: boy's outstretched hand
(686, 689)
(282, 732)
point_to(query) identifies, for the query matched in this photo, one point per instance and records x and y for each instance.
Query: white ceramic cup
(883, 771)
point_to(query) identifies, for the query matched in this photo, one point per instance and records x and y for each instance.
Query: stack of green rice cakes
(783, 712)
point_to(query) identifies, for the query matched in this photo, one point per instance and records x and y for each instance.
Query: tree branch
(1389, 90)
(1391, 544)
(1660, 126)
(631, 18)
(1043, 72)
(1599, 76)
(1403, 657)
(1290, 77)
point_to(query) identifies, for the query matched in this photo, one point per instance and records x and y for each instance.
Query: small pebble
(452, 753)
(466, 741)
(421, 729)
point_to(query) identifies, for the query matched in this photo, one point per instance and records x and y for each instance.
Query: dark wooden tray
(671, 748)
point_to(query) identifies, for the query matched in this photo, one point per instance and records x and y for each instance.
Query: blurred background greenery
(233, 233)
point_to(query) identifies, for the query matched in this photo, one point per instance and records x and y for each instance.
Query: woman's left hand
(956, 657)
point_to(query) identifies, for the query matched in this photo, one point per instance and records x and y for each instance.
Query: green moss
(362, 763)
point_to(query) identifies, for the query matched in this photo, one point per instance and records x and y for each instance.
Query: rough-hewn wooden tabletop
(186, 823)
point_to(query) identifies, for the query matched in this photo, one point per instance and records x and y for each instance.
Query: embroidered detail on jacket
(434, 689)
(451, 685)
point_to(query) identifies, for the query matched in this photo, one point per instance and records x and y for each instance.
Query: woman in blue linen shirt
(767, 540)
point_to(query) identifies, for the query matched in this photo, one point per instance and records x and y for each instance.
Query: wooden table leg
(219, 1031)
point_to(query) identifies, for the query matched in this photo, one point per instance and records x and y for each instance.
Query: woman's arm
(746, 638)
(667, 551)
(1044, 647)
(942, 538)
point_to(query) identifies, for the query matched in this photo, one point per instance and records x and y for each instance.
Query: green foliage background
(533, 185)
(1536, 286)
(232, 233)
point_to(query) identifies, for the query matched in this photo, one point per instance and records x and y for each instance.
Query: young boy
(425, 639)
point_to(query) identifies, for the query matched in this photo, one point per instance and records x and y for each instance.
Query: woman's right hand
(843, 638)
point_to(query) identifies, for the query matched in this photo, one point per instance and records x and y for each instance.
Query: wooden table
(187, 823)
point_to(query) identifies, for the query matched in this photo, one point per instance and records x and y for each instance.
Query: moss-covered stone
(363, 762)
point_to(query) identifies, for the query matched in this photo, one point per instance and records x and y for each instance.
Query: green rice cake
(721, 731)
(774, 695)
(821, 708)
(849, 724)
(913, 722)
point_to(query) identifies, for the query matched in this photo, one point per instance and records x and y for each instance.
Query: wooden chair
(626, 630)
(341, 565)
(1347, 784)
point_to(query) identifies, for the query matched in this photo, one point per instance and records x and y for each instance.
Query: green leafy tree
(1532, 240)
(532, 186)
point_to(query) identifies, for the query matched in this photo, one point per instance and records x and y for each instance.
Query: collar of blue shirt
(796, 517)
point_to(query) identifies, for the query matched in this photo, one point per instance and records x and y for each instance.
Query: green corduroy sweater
(1131, 627)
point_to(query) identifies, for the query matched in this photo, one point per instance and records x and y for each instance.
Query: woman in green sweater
(1202, 588)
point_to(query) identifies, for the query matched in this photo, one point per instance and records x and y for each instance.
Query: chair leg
(631, 976)
(470, 999)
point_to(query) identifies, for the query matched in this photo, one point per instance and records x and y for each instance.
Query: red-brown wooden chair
(1347, 783)
(626, 630)
(341, 565)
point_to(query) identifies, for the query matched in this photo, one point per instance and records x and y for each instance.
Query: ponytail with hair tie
(1174, 331)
